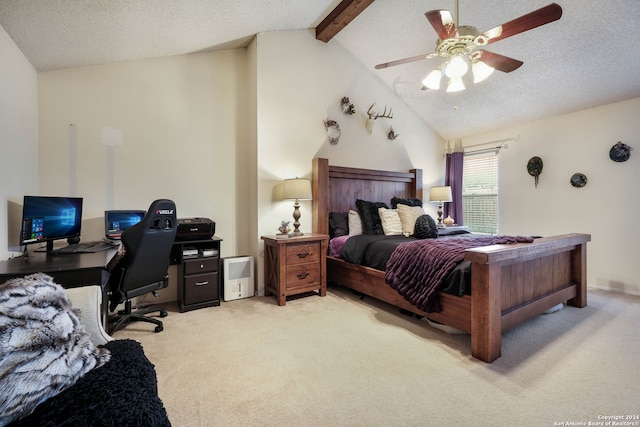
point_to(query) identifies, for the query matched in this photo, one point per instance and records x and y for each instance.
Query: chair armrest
(88, 300)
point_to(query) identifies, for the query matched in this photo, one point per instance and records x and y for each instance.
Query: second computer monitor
(116, 221)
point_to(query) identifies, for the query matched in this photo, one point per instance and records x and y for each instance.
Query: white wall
(177, 117)
(182, 124)
(18, 140)
(300, 84)
(607, 207)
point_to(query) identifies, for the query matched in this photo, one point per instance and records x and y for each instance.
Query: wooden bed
(510, 283)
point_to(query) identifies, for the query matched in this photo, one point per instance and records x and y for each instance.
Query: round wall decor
(620, 152)
(578, 180)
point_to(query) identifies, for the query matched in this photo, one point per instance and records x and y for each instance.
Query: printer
(195, 229)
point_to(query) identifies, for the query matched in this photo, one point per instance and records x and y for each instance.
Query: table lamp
(440, 195)
(296, 189)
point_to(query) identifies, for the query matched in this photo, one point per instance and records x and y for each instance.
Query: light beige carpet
(340, 361)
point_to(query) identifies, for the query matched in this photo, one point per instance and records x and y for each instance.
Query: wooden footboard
(513, 283)
(510, 283)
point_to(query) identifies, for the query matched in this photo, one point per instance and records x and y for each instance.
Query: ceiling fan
(463, 45)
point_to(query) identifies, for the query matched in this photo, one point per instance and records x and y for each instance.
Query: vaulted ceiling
(590, 57)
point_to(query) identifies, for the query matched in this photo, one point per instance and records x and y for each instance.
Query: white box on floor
(238, 277)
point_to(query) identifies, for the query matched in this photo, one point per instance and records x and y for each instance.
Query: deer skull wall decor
(333, 131)
(373, 116)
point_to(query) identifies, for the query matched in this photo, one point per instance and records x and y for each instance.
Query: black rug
(123, 392)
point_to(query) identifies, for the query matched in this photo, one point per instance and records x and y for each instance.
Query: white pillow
(391, 224)
(408, 216)
(355, 223)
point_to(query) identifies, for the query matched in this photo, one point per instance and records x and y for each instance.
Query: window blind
(480, 193)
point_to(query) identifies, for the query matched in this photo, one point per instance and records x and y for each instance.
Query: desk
(69, 270)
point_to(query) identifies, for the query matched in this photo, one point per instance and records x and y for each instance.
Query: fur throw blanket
(44, 348)
(417, 269)
(123, 392)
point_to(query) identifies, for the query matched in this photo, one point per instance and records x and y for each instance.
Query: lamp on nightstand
(296, 189)
(440, 195)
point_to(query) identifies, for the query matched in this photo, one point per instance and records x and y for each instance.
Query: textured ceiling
(590, 57)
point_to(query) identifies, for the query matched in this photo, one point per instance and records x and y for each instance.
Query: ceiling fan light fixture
(456, 67)
(432, 81)
(480, 71)
(455, 85)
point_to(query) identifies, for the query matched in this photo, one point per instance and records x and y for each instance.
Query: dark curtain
(453, 178)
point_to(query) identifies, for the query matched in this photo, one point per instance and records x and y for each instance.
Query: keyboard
(85, 247)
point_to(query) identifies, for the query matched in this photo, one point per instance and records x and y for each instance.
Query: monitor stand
(47, 249)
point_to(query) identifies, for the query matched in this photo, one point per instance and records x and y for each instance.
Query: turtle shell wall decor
(578, 180)
(620, 152)
(534, 167)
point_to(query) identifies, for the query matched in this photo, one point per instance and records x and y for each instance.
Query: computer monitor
(116, 221)
(47, 218)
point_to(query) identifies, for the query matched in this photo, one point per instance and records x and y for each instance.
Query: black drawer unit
(198, 273)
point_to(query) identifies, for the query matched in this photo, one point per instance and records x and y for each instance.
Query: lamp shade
(432, 81)
(455, 84)
(480, 71)
(296, 188)
(440, 194)
(457, 67)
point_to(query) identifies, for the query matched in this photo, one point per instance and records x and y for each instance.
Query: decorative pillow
(44, 349)
(395, 201)
(355, 223)
(425, 228)
(338, 224)
(390, 219)
(371, 223)
(408, 216)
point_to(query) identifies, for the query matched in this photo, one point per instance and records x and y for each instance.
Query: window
(480, 193)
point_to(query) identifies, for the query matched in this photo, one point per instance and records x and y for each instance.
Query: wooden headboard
(336, 188)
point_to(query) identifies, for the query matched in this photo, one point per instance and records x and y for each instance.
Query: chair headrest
(162, 207)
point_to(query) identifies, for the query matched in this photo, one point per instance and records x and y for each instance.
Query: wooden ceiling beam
(339, 18)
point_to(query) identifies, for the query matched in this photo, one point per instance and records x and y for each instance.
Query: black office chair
(143, 268)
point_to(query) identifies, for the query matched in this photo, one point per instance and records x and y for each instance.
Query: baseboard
(615, 290)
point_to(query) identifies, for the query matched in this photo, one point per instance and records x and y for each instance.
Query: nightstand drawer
(302, 253)
(200, 287)
(306, 274)
(201, 265)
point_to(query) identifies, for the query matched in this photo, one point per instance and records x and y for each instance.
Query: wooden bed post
(486, 312)
(417, 184)
(319, 189)
(579, 275)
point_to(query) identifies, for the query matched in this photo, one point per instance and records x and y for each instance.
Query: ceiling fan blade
(531, 20)
(442, 22)
(403, 61)
(500, 62)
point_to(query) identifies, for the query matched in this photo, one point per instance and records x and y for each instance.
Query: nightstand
(295, 265)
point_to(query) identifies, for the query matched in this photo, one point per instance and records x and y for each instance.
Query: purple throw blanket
(417, 269)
